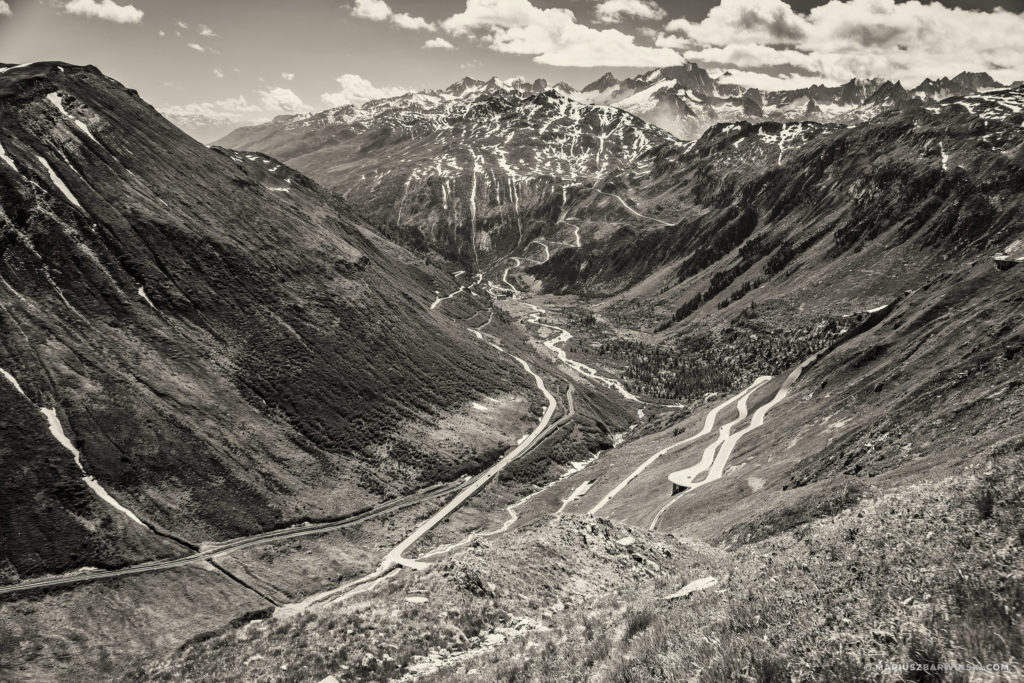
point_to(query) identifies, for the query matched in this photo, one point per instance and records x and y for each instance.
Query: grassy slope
(929, 573)
(287, 348)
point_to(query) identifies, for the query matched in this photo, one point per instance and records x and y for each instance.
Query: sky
(247, 60)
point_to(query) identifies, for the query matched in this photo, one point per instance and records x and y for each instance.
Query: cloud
(282, 100)
(161, 34)
(231, 110)
(439, 43)
(405, 21)
(745, 21)
(751, 56)
(844, 39)
(197, 47)
(614, 11)
(379, 10)
(763, 81)
(182, 24)
(287, 76)
(107, 10)
(206, 31)
(356, 90)
(5, 9)
(552, 36)
(374, 10)
(218, 73)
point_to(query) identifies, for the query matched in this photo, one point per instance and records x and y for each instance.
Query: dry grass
(913, 578)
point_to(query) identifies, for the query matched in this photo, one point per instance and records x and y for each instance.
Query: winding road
(463, 288)
(396, 557)
(631, 209)
(715, 467)
(215, 550)
(709, 425)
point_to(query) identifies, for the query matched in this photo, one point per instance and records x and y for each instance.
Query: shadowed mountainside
(227, 346)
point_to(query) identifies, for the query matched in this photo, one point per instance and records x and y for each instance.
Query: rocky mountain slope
(482, 168)
(752, 197)
(198, 344)
(472, 172)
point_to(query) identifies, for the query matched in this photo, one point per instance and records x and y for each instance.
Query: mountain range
(686, 100)
(499, 160)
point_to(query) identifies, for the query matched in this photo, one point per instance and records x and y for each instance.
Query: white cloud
(439, 43)
(104, 9)
(218, 73)
(236, 110)
(374, 10)
(552, 36)
(231, 110)
(614, 11)
(763, 81)
(403, 20)
(197, 47)
(282, 100)
(5, 9)
(206, 31)
(379, 10)
(751, 56)
(161, 34)
(287, 76)
(844, 39)
(356, 90)
(182, 24)
(745, 21)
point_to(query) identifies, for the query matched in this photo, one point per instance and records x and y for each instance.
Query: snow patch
(10, 378)
(58, 433)
(85, 129)
(59, 183)
(54, 99)
(142, 293)
(98, 489)
(19, 66)
(9, 160)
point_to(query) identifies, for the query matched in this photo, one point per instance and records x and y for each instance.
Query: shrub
(638, 620)
(984, 502)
